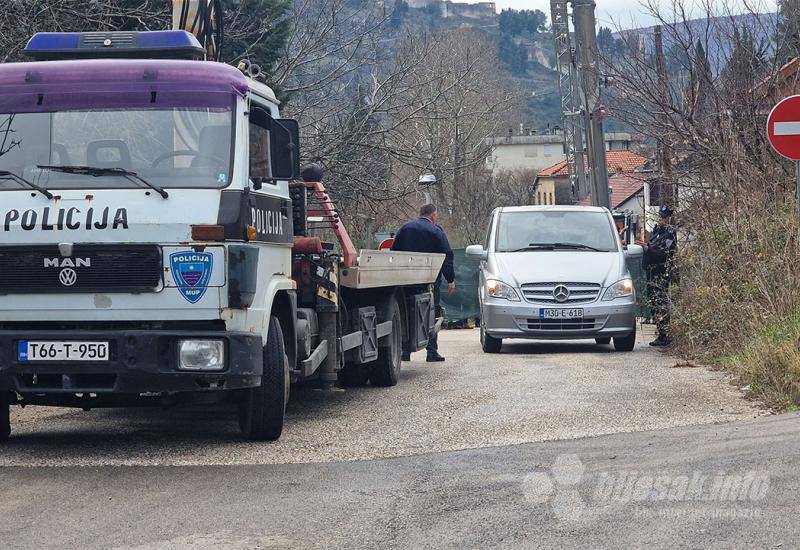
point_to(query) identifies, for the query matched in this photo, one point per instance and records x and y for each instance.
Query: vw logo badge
(561, 293)
(67, 276)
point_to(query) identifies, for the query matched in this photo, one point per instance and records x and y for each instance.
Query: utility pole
(585, 91)
(664, 150)
(571, 111)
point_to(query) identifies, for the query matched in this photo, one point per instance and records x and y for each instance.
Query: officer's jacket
(422, 235)
(660, 247)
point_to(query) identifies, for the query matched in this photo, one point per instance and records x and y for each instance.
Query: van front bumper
(140, 362)
(505, 319)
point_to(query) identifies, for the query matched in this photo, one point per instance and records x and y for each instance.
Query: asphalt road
(544, 445)
(495, 497)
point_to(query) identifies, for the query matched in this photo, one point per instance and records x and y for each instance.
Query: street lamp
(426, 181)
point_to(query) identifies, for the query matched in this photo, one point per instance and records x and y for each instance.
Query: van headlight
(498, 289)
(201, 355)
(620, 289)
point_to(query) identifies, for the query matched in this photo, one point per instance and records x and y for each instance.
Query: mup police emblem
(191, 272)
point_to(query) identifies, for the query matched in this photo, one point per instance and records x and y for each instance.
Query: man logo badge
(561, 294)
(68, 277)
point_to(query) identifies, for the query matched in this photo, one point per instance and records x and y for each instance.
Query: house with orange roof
(554, 180)
(627, 193)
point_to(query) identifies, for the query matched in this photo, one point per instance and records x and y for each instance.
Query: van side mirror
(285, 149)
(634, 251)
(476, 252)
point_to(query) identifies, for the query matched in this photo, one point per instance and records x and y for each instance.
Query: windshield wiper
(20, 179)
(534, 246)
(96, 171)
(577, 246)
(554, 246)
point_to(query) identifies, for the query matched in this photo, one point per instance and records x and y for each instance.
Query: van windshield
(566, 229)
(169, 147)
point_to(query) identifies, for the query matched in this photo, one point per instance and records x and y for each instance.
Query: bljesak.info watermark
(578, 497)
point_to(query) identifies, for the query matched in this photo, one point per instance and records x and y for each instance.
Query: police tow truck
(157, 247)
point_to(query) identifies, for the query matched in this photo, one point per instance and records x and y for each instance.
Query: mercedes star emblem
(561, 293)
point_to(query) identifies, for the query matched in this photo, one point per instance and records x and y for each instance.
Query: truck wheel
(490, 344)
(5, 416)
(385, 370)
(625, 343)
(262, 409)
(354, 375)
(603, 341)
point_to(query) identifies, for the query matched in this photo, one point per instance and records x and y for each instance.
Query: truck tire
(5, 416)
(490, 344)
(385, 370)
(262, 409)
(603, 341)
(625, 343)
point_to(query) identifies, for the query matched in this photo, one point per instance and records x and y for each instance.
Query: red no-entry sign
(783, 127)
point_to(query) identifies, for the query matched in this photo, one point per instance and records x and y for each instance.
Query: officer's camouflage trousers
(658, 302)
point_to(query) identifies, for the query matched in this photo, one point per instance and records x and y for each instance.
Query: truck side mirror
(285, 149)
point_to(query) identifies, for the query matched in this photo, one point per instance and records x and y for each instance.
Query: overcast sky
(628, 12)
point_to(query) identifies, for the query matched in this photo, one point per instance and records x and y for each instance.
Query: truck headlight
(202, 355)
(498, 289)
(620, 289)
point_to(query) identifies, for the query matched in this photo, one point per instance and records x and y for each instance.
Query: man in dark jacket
(423, 235)
(659, 252)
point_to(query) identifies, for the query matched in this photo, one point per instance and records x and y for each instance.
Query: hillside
(525, 48)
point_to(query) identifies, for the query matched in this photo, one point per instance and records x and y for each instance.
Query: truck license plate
(62, 351)
(573, 313)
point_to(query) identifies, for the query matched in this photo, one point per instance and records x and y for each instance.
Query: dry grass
(738, 301)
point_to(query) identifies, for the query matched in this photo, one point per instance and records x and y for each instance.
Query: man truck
(157, 247)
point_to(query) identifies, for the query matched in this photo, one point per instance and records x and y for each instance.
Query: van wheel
(5, 416)
(625, 343)
(385, 370)
(603, 341)
(263, 408)
(490, 344)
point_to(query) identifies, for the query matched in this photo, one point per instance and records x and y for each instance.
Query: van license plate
(573, 313)
(62, 351)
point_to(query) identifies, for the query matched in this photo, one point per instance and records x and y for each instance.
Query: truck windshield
(172, 147)
(559, 230)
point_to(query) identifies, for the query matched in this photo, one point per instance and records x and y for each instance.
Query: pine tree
(787, 37)
(700, 95)
(745, 67)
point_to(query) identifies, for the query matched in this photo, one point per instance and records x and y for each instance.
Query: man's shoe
(659, 342)
(406, 357)
(435, 358)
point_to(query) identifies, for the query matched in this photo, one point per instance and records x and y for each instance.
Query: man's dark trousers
(433, 340)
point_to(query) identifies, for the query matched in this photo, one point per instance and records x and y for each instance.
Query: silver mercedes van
(555, 273)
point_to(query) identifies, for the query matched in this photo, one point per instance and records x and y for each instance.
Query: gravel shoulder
(531, 392)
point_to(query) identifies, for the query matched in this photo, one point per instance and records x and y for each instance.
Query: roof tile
(617, 161)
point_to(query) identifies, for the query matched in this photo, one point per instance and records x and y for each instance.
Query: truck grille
(90, 268)
(543, 293)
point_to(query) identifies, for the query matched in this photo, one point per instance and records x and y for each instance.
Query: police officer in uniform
(423, 235)
(659, 252)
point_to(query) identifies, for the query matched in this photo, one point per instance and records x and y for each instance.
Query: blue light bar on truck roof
(130, 44)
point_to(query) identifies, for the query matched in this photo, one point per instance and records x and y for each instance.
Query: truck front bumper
(141, 362)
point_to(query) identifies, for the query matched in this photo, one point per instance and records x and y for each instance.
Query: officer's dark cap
(665, 211)
(311, 172)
